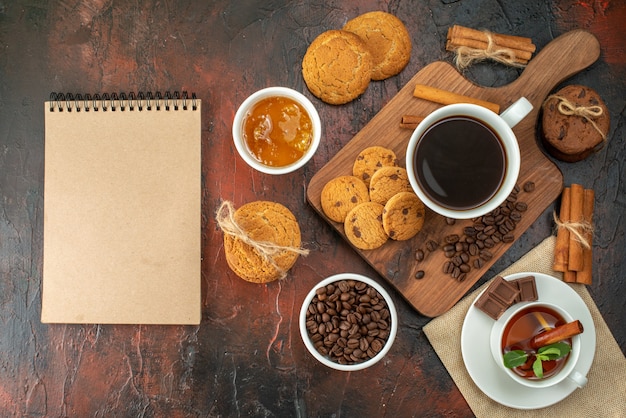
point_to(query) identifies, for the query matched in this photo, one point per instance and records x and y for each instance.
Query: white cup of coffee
(463, 160)
(566, 370)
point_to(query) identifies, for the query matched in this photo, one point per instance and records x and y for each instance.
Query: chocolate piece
(527, 289)
(490, 305)
(503, 290)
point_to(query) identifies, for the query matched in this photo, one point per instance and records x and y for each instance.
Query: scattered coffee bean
(420, 274)
(529, 186)
(450, 221)
(432, 245)
(485, 255)
(452, 238)
(419, 255)
(448, 267)
(521, 206)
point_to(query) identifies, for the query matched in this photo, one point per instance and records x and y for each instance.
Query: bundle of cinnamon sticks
(478, 44)
(573, 249)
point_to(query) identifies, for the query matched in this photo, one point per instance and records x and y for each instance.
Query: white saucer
(492, 380)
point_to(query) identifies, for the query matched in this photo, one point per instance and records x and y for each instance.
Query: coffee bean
(508, 238)
(465, 268)
(516, 216)
(449, 247)
(469, 231)
(486, 255)
(529, 186)
(473, 249)
(448, 267)
(456, 272)
(452, 238)
(432, 245)
(462, 277)
(420, 274)
(521, 206)
(419, 255)
(346, 323)
(450, 221)
(478, 263)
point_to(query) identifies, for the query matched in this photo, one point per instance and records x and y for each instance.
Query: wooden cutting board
(395, 260)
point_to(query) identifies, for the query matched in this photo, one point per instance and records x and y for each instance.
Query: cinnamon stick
(561, 247)
(554, 335)
(445, 97)
(410, 121)
(520, 56)
(584, 276)
(575, 261)
(503, 40)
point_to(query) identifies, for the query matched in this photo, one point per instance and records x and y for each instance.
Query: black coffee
(460, 163)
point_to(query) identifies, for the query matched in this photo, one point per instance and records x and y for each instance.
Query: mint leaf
(555, 351)
(550, 354)
(538, 367)
(514, 358)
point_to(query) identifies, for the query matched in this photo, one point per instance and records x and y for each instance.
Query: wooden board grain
(438, 292)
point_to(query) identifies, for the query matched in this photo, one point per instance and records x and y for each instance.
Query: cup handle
(578, 379)
(517, 111)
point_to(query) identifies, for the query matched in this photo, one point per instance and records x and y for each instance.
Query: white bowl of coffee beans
(348, 322)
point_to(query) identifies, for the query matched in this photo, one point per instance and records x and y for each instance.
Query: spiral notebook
(122, 209)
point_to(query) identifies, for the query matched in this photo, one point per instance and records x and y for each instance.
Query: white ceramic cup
(568, 371)
(243, 111)
(501, 125)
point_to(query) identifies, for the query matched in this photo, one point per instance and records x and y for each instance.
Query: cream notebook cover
(122, 210)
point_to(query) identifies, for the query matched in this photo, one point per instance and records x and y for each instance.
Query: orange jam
(277, 131)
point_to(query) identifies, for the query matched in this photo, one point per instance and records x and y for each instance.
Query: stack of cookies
(376, 202)
(261, 240)
(339, 64)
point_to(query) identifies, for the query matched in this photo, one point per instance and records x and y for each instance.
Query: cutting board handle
(563, 57)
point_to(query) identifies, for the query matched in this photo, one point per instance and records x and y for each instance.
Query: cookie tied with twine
(575, 123)
(261, 240)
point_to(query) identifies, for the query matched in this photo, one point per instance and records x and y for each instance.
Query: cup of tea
(515, 330)
(463, 160)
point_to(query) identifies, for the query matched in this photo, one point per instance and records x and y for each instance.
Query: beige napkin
(605, 393)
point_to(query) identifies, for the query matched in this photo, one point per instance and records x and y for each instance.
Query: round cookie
(371, 159)
(387, 182)
(388, 40)
(341, 194)
(337, 66)
(573, 138)
(263, 221)
(364, 227)
(403, 216)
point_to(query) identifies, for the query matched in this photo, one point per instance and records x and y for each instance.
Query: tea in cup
(463, 160)
(518, 331)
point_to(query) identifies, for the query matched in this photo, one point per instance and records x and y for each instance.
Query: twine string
(565, 107)
(578, 229)
(225, 217)
(465, 55)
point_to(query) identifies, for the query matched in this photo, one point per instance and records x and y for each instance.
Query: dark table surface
(246, 358)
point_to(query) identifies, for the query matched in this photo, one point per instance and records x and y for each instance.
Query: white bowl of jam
(277, 130)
